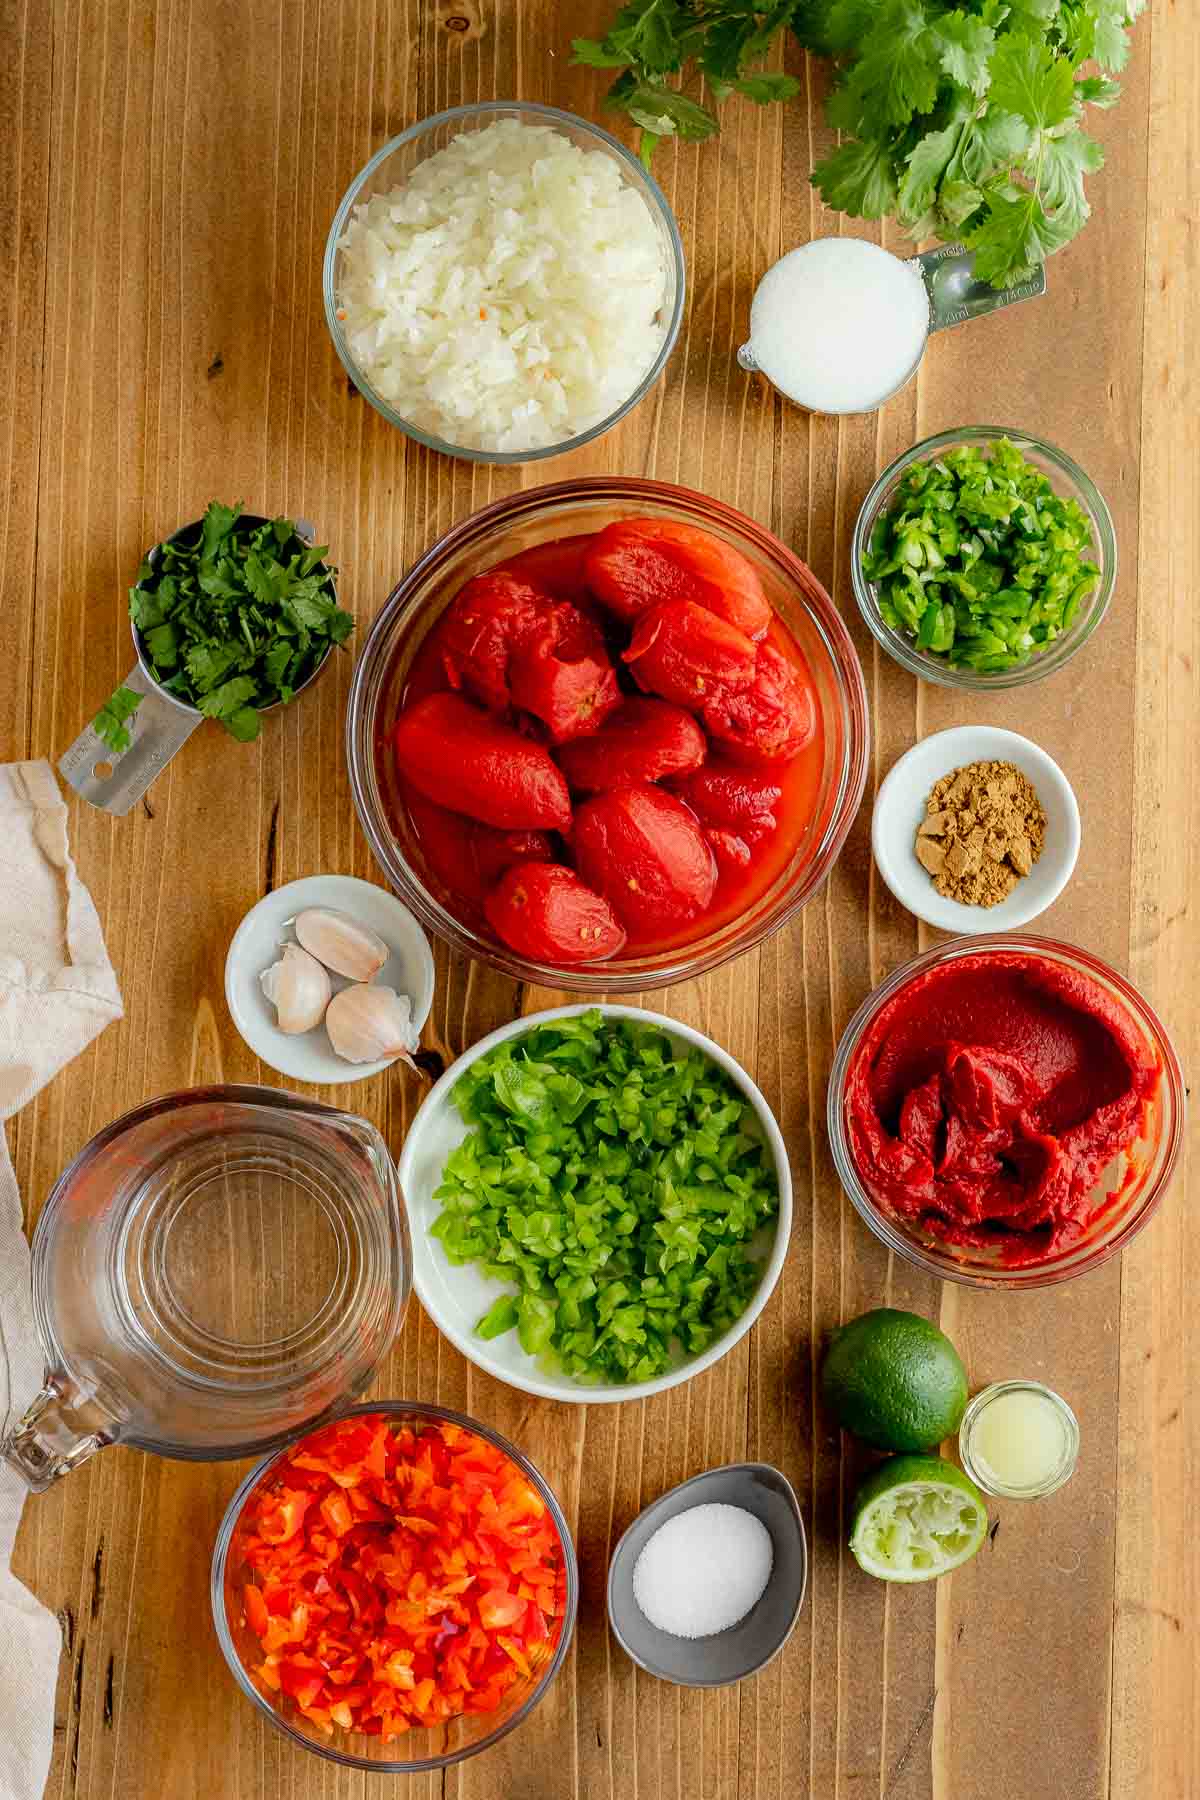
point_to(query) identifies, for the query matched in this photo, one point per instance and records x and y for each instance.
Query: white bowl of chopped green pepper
(600, 1203)
(983, 558)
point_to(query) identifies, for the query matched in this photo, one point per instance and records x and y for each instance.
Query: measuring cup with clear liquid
(214, 1271)
(840, 325)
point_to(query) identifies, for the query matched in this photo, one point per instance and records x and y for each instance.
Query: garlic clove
(367, 1023)
(298, 988)
(341, 943)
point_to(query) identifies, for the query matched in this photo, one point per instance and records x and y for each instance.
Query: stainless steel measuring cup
(115, 780)
(956, 295)
(215, 1270)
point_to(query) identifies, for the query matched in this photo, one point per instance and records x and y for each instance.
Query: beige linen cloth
(57, 990)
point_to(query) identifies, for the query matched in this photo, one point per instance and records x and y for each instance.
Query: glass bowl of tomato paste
(446, 869)
(1006, 1111)
(396, 1590)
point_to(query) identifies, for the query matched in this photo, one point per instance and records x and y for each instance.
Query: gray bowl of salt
(720, 1656)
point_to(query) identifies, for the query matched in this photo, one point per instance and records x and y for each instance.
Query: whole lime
(894, 1380)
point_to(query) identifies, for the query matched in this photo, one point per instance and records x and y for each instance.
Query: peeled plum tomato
(403, 1577)
(644, 851)
(639, 563)
(557, 567)
(466, 856)
(462, 758)
(643, 741)
(543, 911)
(771, 720)
(570, 696)
(736, 809)
(684, 653)
(508, 643)
(490, 618)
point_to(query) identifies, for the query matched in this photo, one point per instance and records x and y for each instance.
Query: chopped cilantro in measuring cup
(615, 1179)
(979, 560)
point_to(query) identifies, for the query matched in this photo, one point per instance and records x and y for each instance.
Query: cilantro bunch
(231, 618)
(616, 1185)
(958, 121)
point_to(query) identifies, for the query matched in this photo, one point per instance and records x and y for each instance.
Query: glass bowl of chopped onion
(504, 281)
(376, 1512)
(961, 600)
(824, 785)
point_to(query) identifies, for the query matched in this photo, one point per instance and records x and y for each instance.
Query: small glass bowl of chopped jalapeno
(983, 558)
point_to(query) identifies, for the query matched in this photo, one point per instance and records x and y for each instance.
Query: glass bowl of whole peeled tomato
(607, 734)
(397, 1589)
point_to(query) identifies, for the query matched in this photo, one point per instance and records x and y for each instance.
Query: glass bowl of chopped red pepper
(1006, 1111)
(396, 1590)
(685, 826)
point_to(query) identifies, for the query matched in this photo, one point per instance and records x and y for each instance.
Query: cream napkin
(57, 990)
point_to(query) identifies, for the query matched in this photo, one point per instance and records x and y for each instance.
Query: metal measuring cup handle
(115, 780)
(956, 293)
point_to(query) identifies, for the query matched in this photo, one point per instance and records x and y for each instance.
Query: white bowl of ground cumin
(960, 841)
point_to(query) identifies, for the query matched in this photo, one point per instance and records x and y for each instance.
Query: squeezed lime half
(915, 1518)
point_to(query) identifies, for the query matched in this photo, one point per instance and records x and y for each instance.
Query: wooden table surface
(168, 171)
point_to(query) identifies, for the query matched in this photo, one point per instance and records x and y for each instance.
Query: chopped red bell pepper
(396, 1578)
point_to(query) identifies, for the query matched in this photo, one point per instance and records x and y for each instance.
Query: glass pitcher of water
(214, 1271)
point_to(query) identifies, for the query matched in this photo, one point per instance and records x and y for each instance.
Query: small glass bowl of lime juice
(1019, 1440)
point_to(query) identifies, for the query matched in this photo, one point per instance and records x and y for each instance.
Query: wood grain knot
(431, 1063)
(461, 18)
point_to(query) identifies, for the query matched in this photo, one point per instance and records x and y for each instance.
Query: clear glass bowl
(394, 163)
(425, 1749)
(975, 1463)
(536, 516)
(1113, 1224)
(1068, 480)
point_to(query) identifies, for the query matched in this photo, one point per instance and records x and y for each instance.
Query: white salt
(839, 324)
(703, 1570)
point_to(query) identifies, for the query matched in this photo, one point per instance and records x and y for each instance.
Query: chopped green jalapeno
(978, 559)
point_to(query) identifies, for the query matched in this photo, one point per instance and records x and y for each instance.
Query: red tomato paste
(989, 1096)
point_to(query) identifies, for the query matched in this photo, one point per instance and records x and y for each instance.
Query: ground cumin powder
(983, 830)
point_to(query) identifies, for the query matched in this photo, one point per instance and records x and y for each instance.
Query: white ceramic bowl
(900, 807)
(255, 945)
(457, 1297)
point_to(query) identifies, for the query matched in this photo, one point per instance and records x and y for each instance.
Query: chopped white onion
(510, 295)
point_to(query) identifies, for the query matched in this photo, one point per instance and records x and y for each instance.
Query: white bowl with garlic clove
(347, 925)
(901, 809)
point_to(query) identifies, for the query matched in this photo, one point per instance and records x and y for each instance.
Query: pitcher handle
(956, 293)
(57, 1432)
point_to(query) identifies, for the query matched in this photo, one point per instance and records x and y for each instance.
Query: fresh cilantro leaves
(109, 722)
(1028, 79)
(617, 1186)
(959, 120)
(233, 616)
(992, 151)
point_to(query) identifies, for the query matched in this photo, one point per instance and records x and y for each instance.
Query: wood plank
(1156, 1651)
(165, 194)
